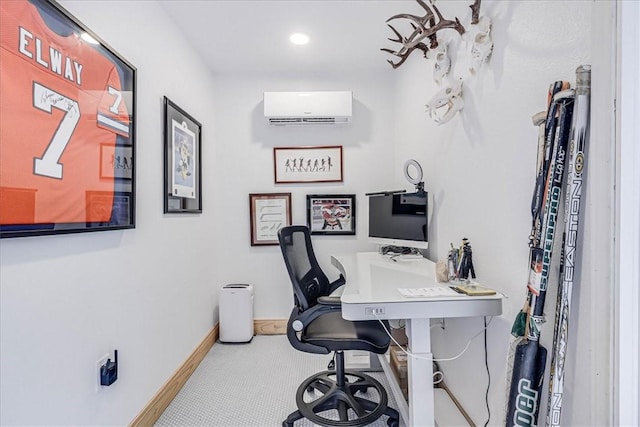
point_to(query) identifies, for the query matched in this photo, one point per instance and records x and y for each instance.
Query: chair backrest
(308, 280)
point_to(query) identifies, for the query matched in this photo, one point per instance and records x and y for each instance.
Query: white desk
(372, 282)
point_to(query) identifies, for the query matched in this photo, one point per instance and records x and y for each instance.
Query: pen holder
(442, 272)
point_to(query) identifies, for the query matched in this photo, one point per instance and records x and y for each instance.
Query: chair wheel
(393, 419)
(361, 389)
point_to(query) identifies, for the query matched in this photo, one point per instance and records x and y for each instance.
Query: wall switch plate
(99, 364)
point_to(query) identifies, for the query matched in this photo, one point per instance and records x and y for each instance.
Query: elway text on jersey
(32, 47)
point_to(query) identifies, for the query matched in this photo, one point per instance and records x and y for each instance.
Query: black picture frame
(65, 128)
(331, 214)
(182, 160)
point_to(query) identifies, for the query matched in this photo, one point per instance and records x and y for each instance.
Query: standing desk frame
(371, 292)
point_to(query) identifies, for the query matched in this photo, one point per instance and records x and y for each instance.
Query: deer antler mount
(424, 27)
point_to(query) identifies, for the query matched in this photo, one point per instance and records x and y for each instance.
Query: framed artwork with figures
(307, 164)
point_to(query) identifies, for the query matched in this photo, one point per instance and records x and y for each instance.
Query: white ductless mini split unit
(308, 108)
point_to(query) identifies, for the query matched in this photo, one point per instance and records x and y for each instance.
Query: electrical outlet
(372, 311)
(99, 364)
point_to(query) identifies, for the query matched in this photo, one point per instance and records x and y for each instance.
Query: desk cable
(438, 375)
(415, 356)
(486, 364)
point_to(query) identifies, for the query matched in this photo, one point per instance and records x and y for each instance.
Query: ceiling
(249, 36)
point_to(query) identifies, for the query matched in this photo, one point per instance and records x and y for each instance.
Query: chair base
(338, 396)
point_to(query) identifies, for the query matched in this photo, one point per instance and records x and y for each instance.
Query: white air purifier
(236, 313)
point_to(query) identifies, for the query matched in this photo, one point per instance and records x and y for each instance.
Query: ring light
(414, 177)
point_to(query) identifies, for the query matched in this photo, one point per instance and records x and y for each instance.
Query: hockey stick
(543, 159)
(530, 356)
(544, 153)
(577, 162)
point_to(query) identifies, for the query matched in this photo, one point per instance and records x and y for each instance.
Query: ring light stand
(414, 177)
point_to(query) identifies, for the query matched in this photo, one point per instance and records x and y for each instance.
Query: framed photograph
(331, 213)
(68, 114)
(182, 161)
(307, 164)
(269, 213)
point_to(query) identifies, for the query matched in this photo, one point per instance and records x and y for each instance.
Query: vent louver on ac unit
(307, 108)
(303, 120)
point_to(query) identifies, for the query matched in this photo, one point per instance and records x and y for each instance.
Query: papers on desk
(430, 292)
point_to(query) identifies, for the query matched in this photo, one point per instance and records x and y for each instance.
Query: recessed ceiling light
(299, 38)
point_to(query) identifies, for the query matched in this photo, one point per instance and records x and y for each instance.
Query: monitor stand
(396, 250)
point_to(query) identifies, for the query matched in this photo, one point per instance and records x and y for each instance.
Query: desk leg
(420, 370)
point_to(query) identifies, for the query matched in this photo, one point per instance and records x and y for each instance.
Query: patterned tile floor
(248, 385)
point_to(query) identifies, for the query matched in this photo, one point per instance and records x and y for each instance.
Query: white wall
(480, 170)
(245, 163)
(68, 300)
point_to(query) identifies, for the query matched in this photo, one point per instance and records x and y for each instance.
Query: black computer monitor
(399, 220)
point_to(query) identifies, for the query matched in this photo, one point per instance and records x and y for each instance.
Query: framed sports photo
(182, 160)
(331, 213)
(68, 115)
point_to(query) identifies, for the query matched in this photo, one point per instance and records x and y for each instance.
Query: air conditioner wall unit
(308, 108)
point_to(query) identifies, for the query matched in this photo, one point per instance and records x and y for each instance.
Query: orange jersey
(61, 107)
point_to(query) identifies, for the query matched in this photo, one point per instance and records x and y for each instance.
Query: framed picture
(269, 213)
(182, 161)
(68, 114)
(331, 213)
(307, 164)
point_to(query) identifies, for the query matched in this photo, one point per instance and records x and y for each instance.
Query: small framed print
(331, 213)
(269, 213)
(182, 161)
(307, 164)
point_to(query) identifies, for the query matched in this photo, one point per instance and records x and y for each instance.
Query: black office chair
(316, 326)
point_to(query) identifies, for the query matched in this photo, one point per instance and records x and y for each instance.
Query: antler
(404, 51)
(427, 25)
(475, 11)
(423, 27)
(421, 21)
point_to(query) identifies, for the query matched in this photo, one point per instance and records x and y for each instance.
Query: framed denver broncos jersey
(67, 134)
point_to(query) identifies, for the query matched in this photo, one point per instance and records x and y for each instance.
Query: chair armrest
(316, 311)
(329, 300)
(299, 321)
(336, 284)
